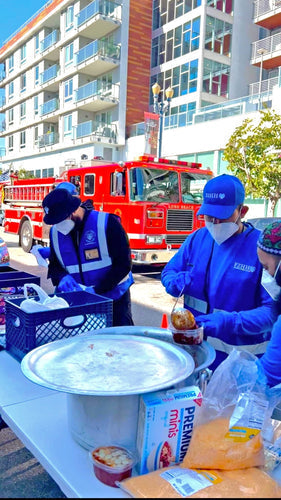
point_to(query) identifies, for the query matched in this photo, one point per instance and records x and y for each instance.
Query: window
(69, 54)
(67, 128)
(11, 90)
(23, 83)
(11, 63)
(47, 172)
(11, 116)
(68, 90)
(165, 11)
(183, 79)
(215, 78)
(36, 75)
(11, 143)
(37, 43)
(23, 53)
(69, 18)
(218, 36)
(36, 135)
(23, 110)
(36, 105)
(22, 139)
(89, 184)
(222, 5)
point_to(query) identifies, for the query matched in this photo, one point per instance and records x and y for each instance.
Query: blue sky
(14, 13)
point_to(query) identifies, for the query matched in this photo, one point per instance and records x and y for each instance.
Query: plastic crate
(25, 331)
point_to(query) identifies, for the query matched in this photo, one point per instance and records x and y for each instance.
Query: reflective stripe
(197, 304)
(70, 269)
(124, 279)
(220, 345)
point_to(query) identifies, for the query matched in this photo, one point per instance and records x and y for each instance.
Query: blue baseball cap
(58, 205)
(69, 186)
(221, 196)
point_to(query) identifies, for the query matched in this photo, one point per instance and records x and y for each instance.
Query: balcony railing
(97, 47)
(269, 45)
(262, 7)
(48, 139)
(49, 73)
(266, 85)
(95, 127)
(49, 106)
(103, 7)
(97, 88)
(50, 40)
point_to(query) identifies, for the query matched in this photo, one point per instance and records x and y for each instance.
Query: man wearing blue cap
(89, 249)
(219, 273)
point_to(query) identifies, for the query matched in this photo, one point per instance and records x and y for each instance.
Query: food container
(190, 337)
(112, 463)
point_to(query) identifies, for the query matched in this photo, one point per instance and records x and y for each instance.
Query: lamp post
(161, 108)
(262, 51)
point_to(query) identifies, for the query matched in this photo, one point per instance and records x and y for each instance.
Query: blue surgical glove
(214, 323)
(45, 252)
(90, 289)
(177, 287)
(68, 284)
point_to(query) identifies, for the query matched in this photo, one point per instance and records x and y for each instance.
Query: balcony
(97, 57)
(96, 128)
(267, 51)
(49, 106)
(48, 44)
(48, 139)
(97, 95)
(266, 86)
(267, 13)
(101, 15)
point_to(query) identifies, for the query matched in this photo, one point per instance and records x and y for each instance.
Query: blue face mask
(269, 283)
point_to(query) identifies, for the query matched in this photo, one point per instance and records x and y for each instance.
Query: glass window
(11, 63)
(67, 120)
(175, 43)
(69, 17)
(222, 5)
(11, 116)
(36, 75)
(69, 54)
(23, 82)
(218, 36)
(22, 139)
(36, 135)
(36, 105)
(22, 110)
(68, 90)
(11, 90)
(215, 78)
(89, 186)
(23, 53)
(11, 142)
(36, 43)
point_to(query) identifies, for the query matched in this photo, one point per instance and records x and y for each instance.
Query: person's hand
(68, 284)
(213, 323)
(178, 285)
(44, 252)
(41, 254)
(90, 289)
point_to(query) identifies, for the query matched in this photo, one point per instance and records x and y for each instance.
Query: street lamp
(262, 51)
(161, 108)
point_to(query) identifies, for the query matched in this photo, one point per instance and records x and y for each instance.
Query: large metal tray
(107, 365)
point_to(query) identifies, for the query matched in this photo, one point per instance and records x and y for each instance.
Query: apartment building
(74, 77)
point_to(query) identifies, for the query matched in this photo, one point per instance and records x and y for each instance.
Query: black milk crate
(25, 331)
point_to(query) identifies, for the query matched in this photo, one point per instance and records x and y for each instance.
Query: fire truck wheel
(26, 236)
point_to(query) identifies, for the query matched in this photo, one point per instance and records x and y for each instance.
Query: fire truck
(156, 199)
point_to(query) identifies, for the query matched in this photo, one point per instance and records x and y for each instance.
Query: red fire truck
(156, 199)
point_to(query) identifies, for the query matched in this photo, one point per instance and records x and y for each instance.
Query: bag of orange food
(234, 418)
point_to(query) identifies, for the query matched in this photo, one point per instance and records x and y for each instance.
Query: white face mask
(65, 226)
(222, 231)
(269, 283)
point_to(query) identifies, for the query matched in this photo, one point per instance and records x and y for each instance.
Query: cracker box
(165, 426)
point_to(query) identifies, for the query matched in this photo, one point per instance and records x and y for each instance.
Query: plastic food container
(112, 463)
(190, 337)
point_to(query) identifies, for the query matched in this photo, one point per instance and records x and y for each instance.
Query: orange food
(183, 319)
(209, 448)
(246, 483)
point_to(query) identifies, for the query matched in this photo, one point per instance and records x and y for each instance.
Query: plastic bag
(177, 482)
(235, 417)
(45, 303)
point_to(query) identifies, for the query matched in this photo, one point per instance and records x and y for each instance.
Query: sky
(14, 13)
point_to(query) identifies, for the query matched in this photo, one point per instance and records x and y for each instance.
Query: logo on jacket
(244, 267)
(90, 236)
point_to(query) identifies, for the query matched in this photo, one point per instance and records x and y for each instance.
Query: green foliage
(24, 174)
(253, 153)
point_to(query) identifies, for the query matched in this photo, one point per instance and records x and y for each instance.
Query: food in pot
(112, 463)
(183, 319)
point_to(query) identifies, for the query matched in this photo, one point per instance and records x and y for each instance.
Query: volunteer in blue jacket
(218, 271)
(269, 253)
(91, 248)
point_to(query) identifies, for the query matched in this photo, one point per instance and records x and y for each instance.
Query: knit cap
(270, 239)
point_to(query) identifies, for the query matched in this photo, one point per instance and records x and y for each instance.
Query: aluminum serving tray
(107, 365)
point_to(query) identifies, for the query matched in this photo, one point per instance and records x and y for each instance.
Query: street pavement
(21, 475)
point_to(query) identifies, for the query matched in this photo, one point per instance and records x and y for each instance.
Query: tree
(253, 153)
(24, 174)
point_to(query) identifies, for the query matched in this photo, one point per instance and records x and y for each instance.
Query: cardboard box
(165, 426)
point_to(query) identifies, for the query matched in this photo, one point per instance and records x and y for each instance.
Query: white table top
(38, 416)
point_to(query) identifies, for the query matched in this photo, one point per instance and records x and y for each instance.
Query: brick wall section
(139, 53)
